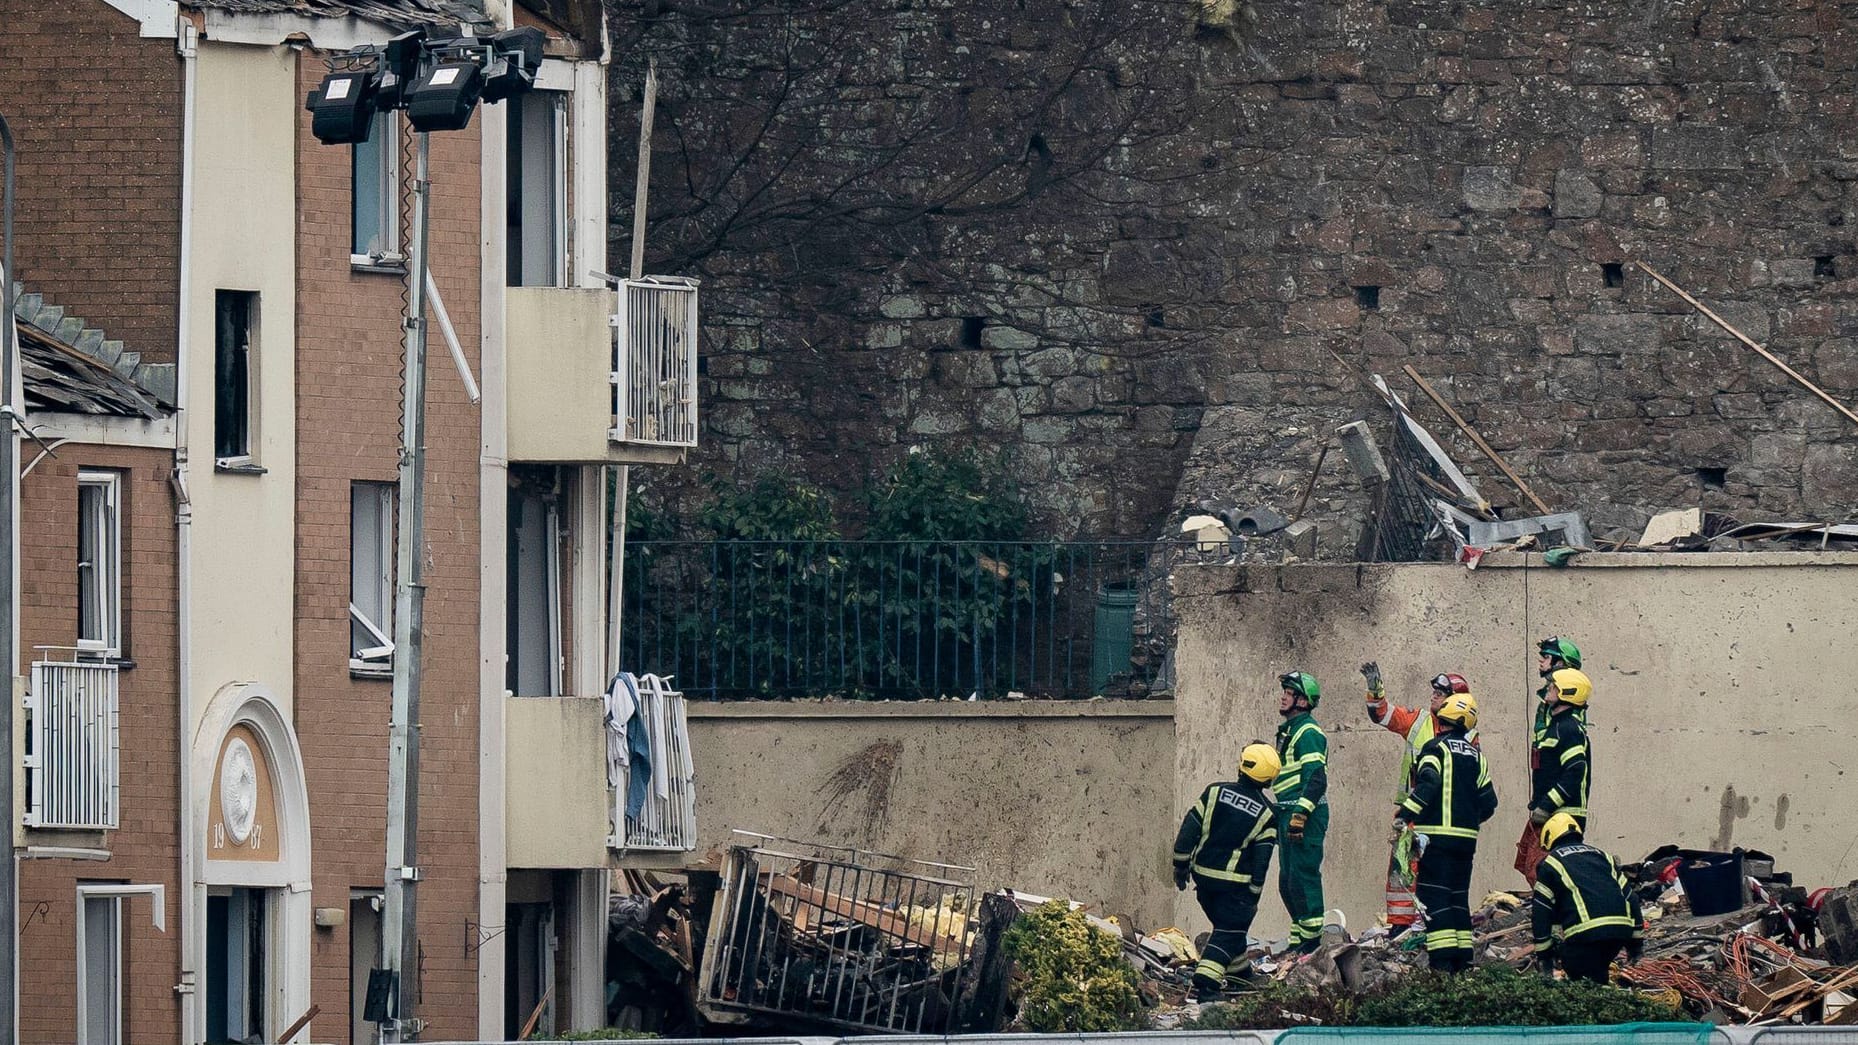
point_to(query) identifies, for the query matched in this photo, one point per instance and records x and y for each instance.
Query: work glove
(1393, 835)
(1182, 876)
(1295, 831)
(1538, 816)
(1635, 949)
(1372, 672)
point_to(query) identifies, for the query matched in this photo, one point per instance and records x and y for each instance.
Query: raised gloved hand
(1399, 828)
(1372, 672)
(1182, 876)
(1294, 831)
(1538, 816)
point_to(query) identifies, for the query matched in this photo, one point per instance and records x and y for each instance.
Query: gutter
(187, 45)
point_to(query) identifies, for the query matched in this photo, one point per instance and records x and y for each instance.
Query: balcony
(660, 814)
(72, 768)
(580, 395)
(557, 802)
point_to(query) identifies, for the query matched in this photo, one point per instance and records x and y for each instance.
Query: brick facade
(96, 112)
(144, 849)
(349, 356)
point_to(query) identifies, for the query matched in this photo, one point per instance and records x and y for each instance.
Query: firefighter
(1561, 764)
(1584, 910)
(1302, 808)
(1552, 654)
(1452, 795)
(1416, 728)
(1224, 848)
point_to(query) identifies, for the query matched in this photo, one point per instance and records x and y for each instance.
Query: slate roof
(397, 14)
(69, 367)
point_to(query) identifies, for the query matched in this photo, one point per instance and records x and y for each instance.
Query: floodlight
(517, 54)
(342, 107)
(401, 67)
(444, 95)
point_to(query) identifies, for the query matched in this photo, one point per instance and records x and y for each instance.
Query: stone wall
(1150, 262)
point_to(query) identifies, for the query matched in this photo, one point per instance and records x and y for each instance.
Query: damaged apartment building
(209, 304)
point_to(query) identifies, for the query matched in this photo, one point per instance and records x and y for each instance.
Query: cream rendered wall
(1722, 711)
(244, 228)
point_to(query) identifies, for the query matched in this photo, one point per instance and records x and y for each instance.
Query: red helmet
(1450, 682)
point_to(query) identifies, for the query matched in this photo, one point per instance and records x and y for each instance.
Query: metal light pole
(10, 410)
(399, 928)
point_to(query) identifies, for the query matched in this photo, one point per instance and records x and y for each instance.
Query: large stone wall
(1720, 717)
(1129, 254)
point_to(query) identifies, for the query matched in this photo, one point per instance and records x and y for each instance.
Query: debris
(1667, 527)
(1838, 923)
(1573, 531)
(1209, 534)
(1300, 539)
(1431, 447)
(1477, 440)
(1364, 457)
(1257, 522)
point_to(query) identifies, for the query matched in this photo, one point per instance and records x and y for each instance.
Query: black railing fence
(901, 619)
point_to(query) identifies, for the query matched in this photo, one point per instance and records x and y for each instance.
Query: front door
(237, 939)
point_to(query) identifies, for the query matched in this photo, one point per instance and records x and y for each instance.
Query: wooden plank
(1431, 446)
(302, 1022)
(864, 912)
(1471, 433)
(1746, 340)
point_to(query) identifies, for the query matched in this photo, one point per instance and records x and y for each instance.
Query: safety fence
(902, 619)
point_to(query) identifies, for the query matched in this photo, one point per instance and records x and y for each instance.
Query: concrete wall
(1068, 799)
(1721, 714)
(556, 811)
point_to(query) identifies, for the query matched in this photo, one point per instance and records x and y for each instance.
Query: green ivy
(605, 1034)
(1075, 979)
(926, 497)
(773, 508)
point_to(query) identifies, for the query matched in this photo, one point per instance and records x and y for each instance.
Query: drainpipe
(187, 39)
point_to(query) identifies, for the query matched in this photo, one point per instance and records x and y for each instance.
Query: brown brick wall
(144, 849)
(96, 112)
(348, 424)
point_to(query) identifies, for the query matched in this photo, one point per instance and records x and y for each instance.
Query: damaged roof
(397, 14)
(64, 369)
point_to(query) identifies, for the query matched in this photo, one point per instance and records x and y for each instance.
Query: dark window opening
(1614, 273)
(1368, 297)
(1824, 267)
(971, 331)
(1156, 317)
(1713, 478)
(235, 313)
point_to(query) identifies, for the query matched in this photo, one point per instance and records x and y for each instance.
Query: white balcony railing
(72, 774)
(666, 817)
(655, 362)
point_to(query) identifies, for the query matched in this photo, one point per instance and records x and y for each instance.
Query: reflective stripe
(1448, 832)
(1578, 749)
(1595, 923)
(1224, 876)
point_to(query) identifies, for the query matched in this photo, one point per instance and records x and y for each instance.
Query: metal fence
(72, 754)
(837, 936)
(902, 619)
(655, 362)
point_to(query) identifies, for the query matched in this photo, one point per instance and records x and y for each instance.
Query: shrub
(1074, 978)
(606, 1034)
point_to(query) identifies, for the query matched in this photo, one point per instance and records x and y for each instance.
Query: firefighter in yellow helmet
(1452, 796)
(1561, 767)
(1584, 910)
(1224, 849)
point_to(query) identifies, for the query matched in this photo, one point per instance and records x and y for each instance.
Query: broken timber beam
(1746, 340)
(864, 912)
(1439, 401)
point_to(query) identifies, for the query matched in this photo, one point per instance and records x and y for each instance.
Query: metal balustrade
(72, 754)
(667, 819)
(655, 362)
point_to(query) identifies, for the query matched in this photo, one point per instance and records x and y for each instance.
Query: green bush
(607, 1034)
(1072, 977)
(1487, 996)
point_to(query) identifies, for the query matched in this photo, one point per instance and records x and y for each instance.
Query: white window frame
(381, 631)
(247, 461)
(555, 84)
(106, 575)
(104, 891)
(387, 133)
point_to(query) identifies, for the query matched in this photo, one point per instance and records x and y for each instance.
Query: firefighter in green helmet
(1302, 807)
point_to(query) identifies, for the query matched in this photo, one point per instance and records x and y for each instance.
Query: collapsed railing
(843, 937)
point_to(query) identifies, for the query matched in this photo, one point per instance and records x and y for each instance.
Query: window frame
(245, 357)
(117, 892)
(106, 577)
(386, 137)
(558, 101)
(387, 514)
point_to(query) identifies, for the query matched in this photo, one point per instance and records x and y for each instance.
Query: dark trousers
(1583, 958)
(1444, 891)
(1230, 906)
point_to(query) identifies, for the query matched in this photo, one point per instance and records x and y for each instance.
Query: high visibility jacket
(1560, 767)
(1415, 726)
(1303, 747)
(1229, 834)
(1453, 794)
(1580, 892)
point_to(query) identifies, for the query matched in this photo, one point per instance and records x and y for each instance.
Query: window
(534, 617)
(376, 213)
(364, 956)
(99, 563)
(100, 970)
(535, 208)
(235, 318)
(371, 576)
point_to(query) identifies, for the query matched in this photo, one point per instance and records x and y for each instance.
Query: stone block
(1490, 189)
(1835, 363)
(1829, 478)
(1792, 272)
(1008, 339)
(1050, 363)
(1619, 335)
(1747, 316)
(1613, 149)
(998, 410)
(1576, 196)
(1073, 395)
(906, 306)
(931, 421)
(1696, 147)
(1322, 314)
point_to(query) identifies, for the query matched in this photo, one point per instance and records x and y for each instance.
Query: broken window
(99, 563)
(536, 204)
(235, 314)
(371, 576)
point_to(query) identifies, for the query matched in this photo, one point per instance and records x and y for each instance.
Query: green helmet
(1567, 652)
(1303, 683)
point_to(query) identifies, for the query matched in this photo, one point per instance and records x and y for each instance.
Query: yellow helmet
(1460, 708)
(1259, 762)
(1571, 686)
(1558, 825)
